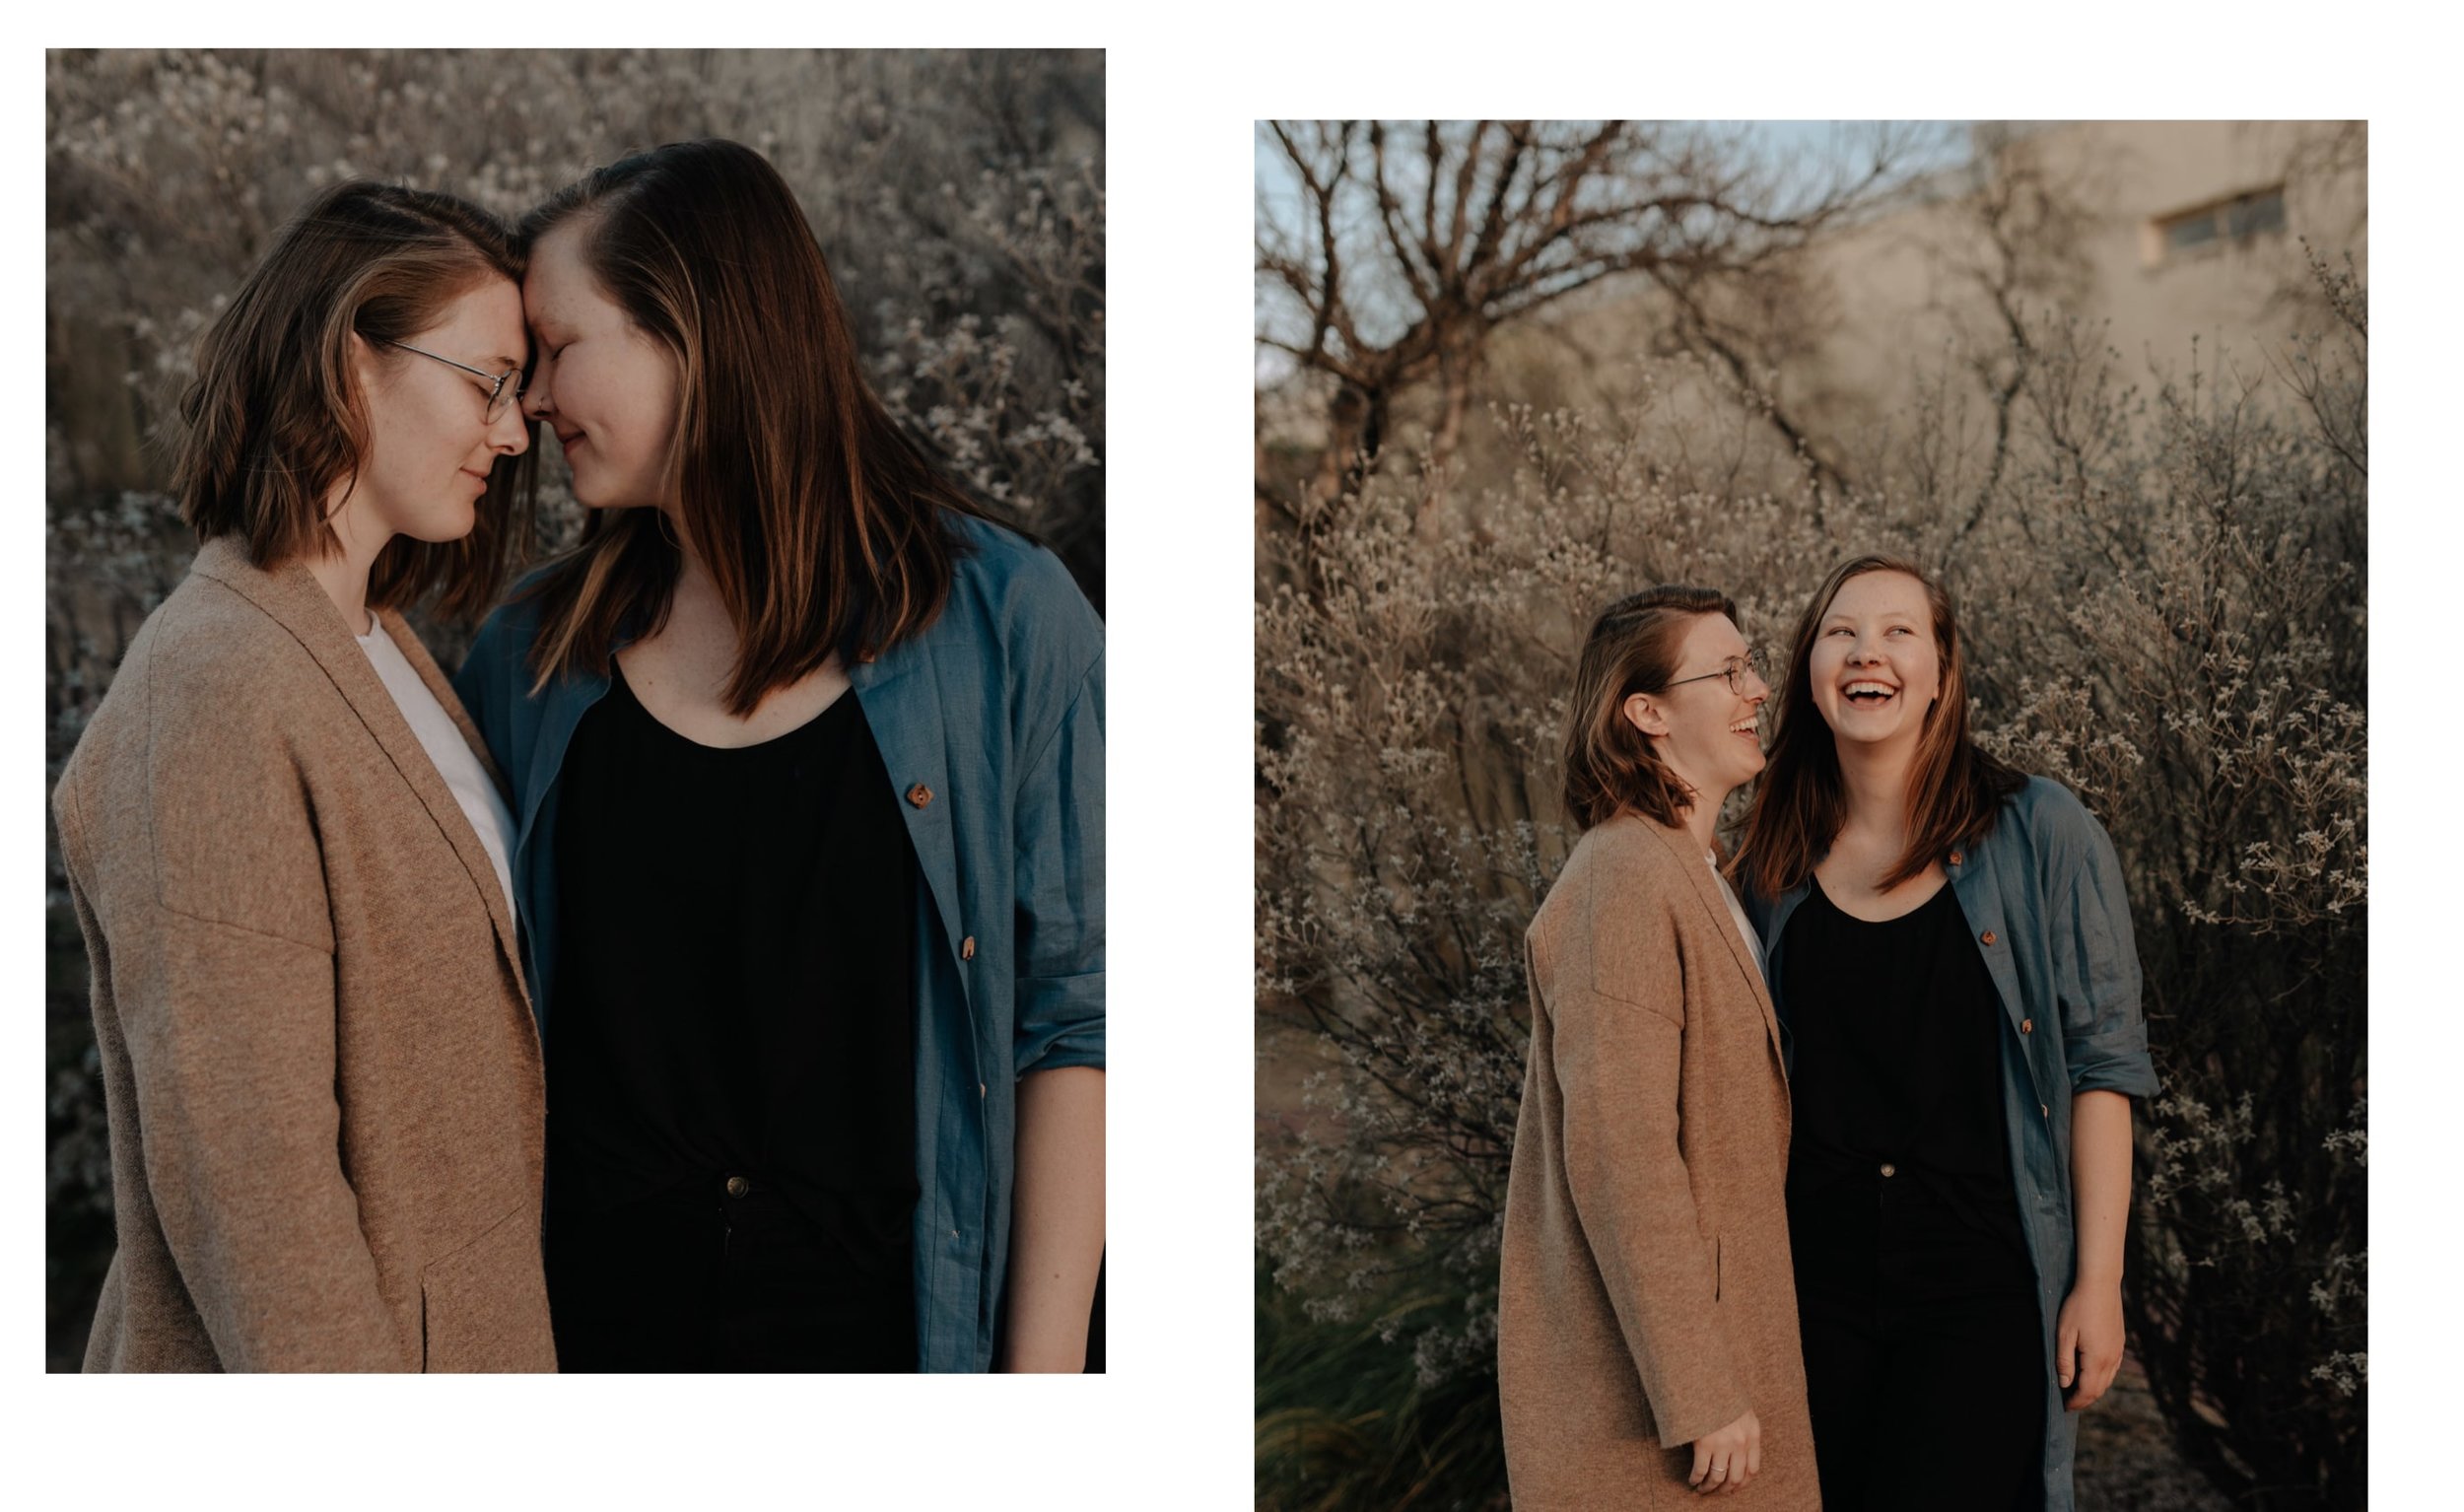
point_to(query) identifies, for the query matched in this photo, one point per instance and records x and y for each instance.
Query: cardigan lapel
(291, 596)
(1681, 843)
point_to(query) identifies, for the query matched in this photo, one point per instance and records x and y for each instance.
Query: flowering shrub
(958, 196)
(2162, 591)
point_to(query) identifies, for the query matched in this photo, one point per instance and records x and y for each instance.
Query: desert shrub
(2163, 585)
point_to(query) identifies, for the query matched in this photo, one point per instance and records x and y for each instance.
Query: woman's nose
(510, 432)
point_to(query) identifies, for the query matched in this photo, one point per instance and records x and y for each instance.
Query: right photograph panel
(1810, 813)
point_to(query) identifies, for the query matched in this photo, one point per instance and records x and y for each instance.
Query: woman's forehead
(557, 278)
(487, 315)
(1715, 635)
(1880, 592)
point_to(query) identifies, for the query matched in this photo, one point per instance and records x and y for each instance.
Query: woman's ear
(1644, 715)
(362, 355)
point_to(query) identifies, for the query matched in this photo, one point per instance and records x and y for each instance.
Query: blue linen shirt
(2042, 892)
(990, 724)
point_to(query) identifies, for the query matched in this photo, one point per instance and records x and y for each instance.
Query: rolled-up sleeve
(2095, 965)
(1060, 890)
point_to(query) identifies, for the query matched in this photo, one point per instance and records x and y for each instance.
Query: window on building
(2210, 226)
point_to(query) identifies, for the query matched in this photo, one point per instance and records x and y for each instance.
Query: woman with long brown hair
(809, 760)
(1646, 1324)
(288, 851)
(1950, 948)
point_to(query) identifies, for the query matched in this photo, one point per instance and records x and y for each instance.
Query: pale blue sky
(1800, 150)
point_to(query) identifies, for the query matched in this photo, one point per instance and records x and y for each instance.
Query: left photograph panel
(574, 691)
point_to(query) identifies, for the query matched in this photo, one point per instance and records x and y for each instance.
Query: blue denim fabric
(2045, 885)
(996, 711)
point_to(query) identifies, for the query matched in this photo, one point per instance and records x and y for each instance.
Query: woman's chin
(446, 525)
(599, 501)
(1859, 736)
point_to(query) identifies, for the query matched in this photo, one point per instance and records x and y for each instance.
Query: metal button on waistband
(1888, 1169)
(737, 1186)
(920, 794)
(1989, 937)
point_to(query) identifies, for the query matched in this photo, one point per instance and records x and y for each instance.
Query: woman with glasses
(1951, 947)
(810, 841)
(1647, 1317)
(289, 852)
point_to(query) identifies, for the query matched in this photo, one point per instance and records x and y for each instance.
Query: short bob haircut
(824, 527)
(1955, 788)
(274, 418)
(1612, 768)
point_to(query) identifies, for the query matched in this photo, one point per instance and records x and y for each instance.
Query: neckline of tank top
(1932, 900)
(617, 684)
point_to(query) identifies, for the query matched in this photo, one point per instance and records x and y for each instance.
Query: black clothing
(1898, 1032)
(1924, 1372)
(731, 1170)
(1915, 1293)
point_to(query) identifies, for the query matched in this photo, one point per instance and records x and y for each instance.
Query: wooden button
(2028, 1026)
(920, 794)
(1989, 937)
(1957, 857)
(967, 948)
(737, 1186)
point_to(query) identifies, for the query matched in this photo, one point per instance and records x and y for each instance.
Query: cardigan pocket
(484, 1307)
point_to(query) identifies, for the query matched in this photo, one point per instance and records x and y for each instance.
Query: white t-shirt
(1736, 911)
(453, 755)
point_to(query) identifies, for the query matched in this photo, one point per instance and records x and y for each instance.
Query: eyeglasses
(1735, 671)
(499, 397)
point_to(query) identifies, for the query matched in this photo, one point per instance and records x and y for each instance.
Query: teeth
(1855, 688)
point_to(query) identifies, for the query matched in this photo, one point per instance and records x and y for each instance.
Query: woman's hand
(1729, 1458)
(2087, 1342)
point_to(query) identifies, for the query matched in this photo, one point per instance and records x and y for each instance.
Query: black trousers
(1925, 1361)
(705, 1279)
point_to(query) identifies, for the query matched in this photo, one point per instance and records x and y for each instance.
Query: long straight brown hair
(822, 524)
(274, 417)
(1955, 788)
(1611, 767)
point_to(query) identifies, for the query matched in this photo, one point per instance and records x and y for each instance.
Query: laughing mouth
(1867, 693)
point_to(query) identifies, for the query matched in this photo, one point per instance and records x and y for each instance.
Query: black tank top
(736, 980)
(1897, 1030)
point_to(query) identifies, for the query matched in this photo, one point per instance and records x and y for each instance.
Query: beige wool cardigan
(319, 1068)
(1646, 1294)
